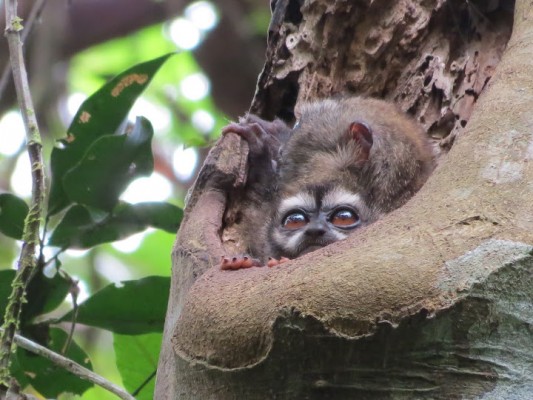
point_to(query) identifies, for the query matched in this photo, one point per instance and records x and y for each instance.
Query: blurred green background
(74, 47)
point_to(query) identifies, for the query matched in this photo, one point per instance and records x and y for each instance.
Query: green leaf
(109, 165)
(47, 378)
(6, 277)
(137, 358)
(101, 114)
(135, 308)
(158, 215)
(81, 229)
(44, 295)
(13, 212)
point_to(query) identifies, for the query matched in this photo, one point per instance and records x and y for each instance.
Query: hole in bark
(471, 92)
(427, 80)
(463, 123)
(371, 43)
(294, 14)
(426, 62)
(284, 53)
(286, 111)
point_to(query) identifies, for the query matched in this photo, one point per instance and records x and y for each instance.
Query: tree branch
(71, 366)
(34, 14)
(27, 261)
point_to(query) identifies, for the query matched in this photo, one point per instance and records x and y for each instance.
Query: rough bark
(433, 301)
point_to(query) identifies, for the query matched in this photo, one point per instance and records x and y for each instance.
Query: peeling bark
(434, 300)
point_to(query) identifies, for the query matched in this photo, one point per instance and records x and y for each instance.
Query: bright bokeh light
(74, 102)
(11, 133)
(153, 188)
(21, 177)
(184, 162)
(111, 268)
(184, 33)
(84, 292)
(202, 14)
(159, 116)
(203, 121)
(195, 87)
(131, 243)
(76, 253)
(198, 18)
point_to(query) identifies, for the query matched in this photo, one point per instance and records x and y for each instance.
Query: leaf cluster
(90, 168)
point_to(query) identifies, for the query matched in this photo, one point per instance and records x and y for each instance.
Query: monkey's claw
(238, 262)
(272, 262)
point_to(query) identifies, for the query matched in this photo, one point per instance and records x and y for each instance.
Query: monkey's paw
(272, 262)
(238, 262)
(263, 137)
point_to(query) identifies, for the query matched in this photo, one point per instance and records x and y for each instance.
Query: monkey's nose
(315, 231)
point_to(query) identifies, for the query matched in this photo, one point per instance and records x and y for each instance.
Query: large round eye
(295, 220)
(344, 218)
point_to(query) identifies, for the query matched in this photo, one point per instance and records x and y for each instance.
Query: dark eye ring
(295, 219)
(344, 217)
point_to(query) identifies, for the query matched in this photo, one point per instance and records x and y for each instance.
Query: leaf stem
(27, 261)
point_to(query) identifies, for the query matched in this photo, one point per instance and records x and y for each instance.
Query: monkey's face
(316, 217)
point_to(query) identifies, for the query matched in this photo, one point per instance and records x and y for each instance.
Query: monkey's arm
(265, 140)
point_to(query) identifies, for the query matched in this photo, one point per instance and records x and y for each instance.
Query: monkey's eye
(295, 220)
(344, 218)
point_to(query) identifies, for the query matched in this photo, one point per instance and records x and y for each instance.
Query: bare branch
(27, 262)
(71, 366)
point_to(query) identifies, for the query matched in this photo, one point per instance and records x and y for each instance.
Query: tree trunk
(434, 300)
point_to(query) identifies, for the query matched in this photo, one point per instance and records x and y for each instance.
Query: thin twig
(71, 366)
(27, 261)
(35, 12)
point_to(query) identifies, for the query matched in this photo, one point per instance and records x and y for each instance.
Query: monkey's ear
(362, 135)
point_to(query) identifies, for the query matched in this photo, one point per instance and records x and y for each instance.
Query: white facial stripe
(290, 243)
(339, 196)
(301, 200)
(338, 235)
(293, 241)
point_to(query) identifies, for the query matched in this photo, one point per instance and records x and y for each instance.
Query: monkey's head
(316, 216)
(346, 164)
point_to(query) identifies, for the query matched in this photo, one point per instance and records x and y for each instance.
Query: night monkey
(345, 163)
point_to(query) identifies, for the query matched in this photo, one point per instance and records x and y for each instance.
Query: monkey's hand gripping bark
(265, 140)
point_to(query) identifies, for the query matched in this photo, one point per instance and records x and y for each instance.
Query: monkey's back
(399, 162)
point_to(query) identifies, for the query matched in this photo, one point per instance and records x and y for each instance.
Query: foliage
(135, 308)
(137, 358)
(91, 167)
(13, 212)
